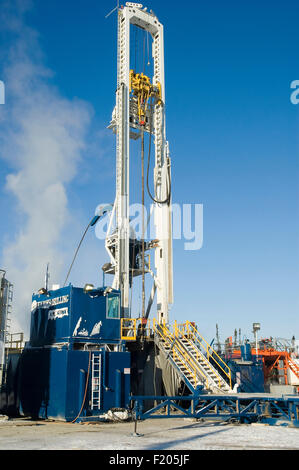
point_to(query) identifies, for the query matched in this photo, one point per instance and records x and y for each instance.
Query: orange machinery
(276, 363)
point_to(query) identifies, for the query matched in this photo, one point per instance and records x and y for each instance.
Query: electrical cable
(148, 56)
(136, 30)
(85, 391)
(155, 367)
(144, 52)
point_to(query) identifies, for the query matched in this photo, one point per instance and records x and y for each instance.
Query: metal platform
(242, 407)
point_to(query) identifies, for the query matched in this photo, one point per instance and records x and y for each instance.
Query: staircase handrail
(165, 334)
(207, 363)
(190, 328)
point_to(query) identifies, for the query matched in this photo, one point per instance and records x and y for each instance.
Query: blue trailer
(75, 364)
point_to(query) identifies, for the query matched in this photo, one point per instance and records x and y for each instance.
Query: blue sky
(233, 135)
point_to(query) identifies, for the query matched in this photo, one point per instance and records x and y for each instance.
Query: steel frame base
(245, 408)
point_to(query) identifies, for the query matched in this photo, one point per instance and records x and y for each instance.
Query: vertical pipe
(142, 203)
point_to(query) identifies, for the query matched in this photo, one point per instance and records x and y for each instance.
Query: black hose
(167, 200)
(77, 251)
(85, 391)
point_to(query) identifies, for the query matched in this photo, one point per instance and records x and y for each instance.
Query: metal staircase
(182, 362)
(215, 369)
(196, 367)
(214, 380)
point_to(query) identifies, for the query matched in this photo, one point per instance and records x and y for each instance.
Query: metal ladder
(5, 322)
(9, 309)
(96, 368)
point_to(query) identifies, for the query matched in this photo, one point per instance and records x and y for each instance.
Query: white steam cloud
(42, 136)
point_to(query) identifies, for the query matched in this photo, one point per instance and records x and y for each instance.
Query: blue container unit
(69, 315)
(75, 364)
(249, 377)
(246, 352)
(248, 374)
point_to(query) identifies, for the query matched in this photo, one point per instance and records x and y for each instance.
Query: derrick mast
(140, 111)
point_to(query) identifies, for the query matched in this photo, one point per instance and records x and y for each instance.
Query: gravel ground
(155, 434)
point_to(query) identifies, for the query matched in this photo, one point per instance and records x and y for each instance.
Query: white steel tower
(139, 109)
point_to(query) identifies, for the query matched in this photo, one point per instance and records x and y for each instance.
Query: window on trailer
(113, 310)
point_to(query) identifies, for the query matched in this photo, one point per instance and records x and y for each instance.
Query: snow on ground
(155, 434)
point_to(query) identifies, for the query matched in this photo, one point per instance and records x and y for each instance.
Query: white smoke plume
(42, 137)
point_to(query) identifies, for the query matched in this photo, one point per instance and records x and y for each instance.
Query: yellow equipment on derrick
(143, 89)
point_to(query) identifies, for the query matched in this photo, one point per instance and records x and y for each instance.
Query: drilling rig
(139, 112)
(91, 355)
(182, 356)
(89, 351)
